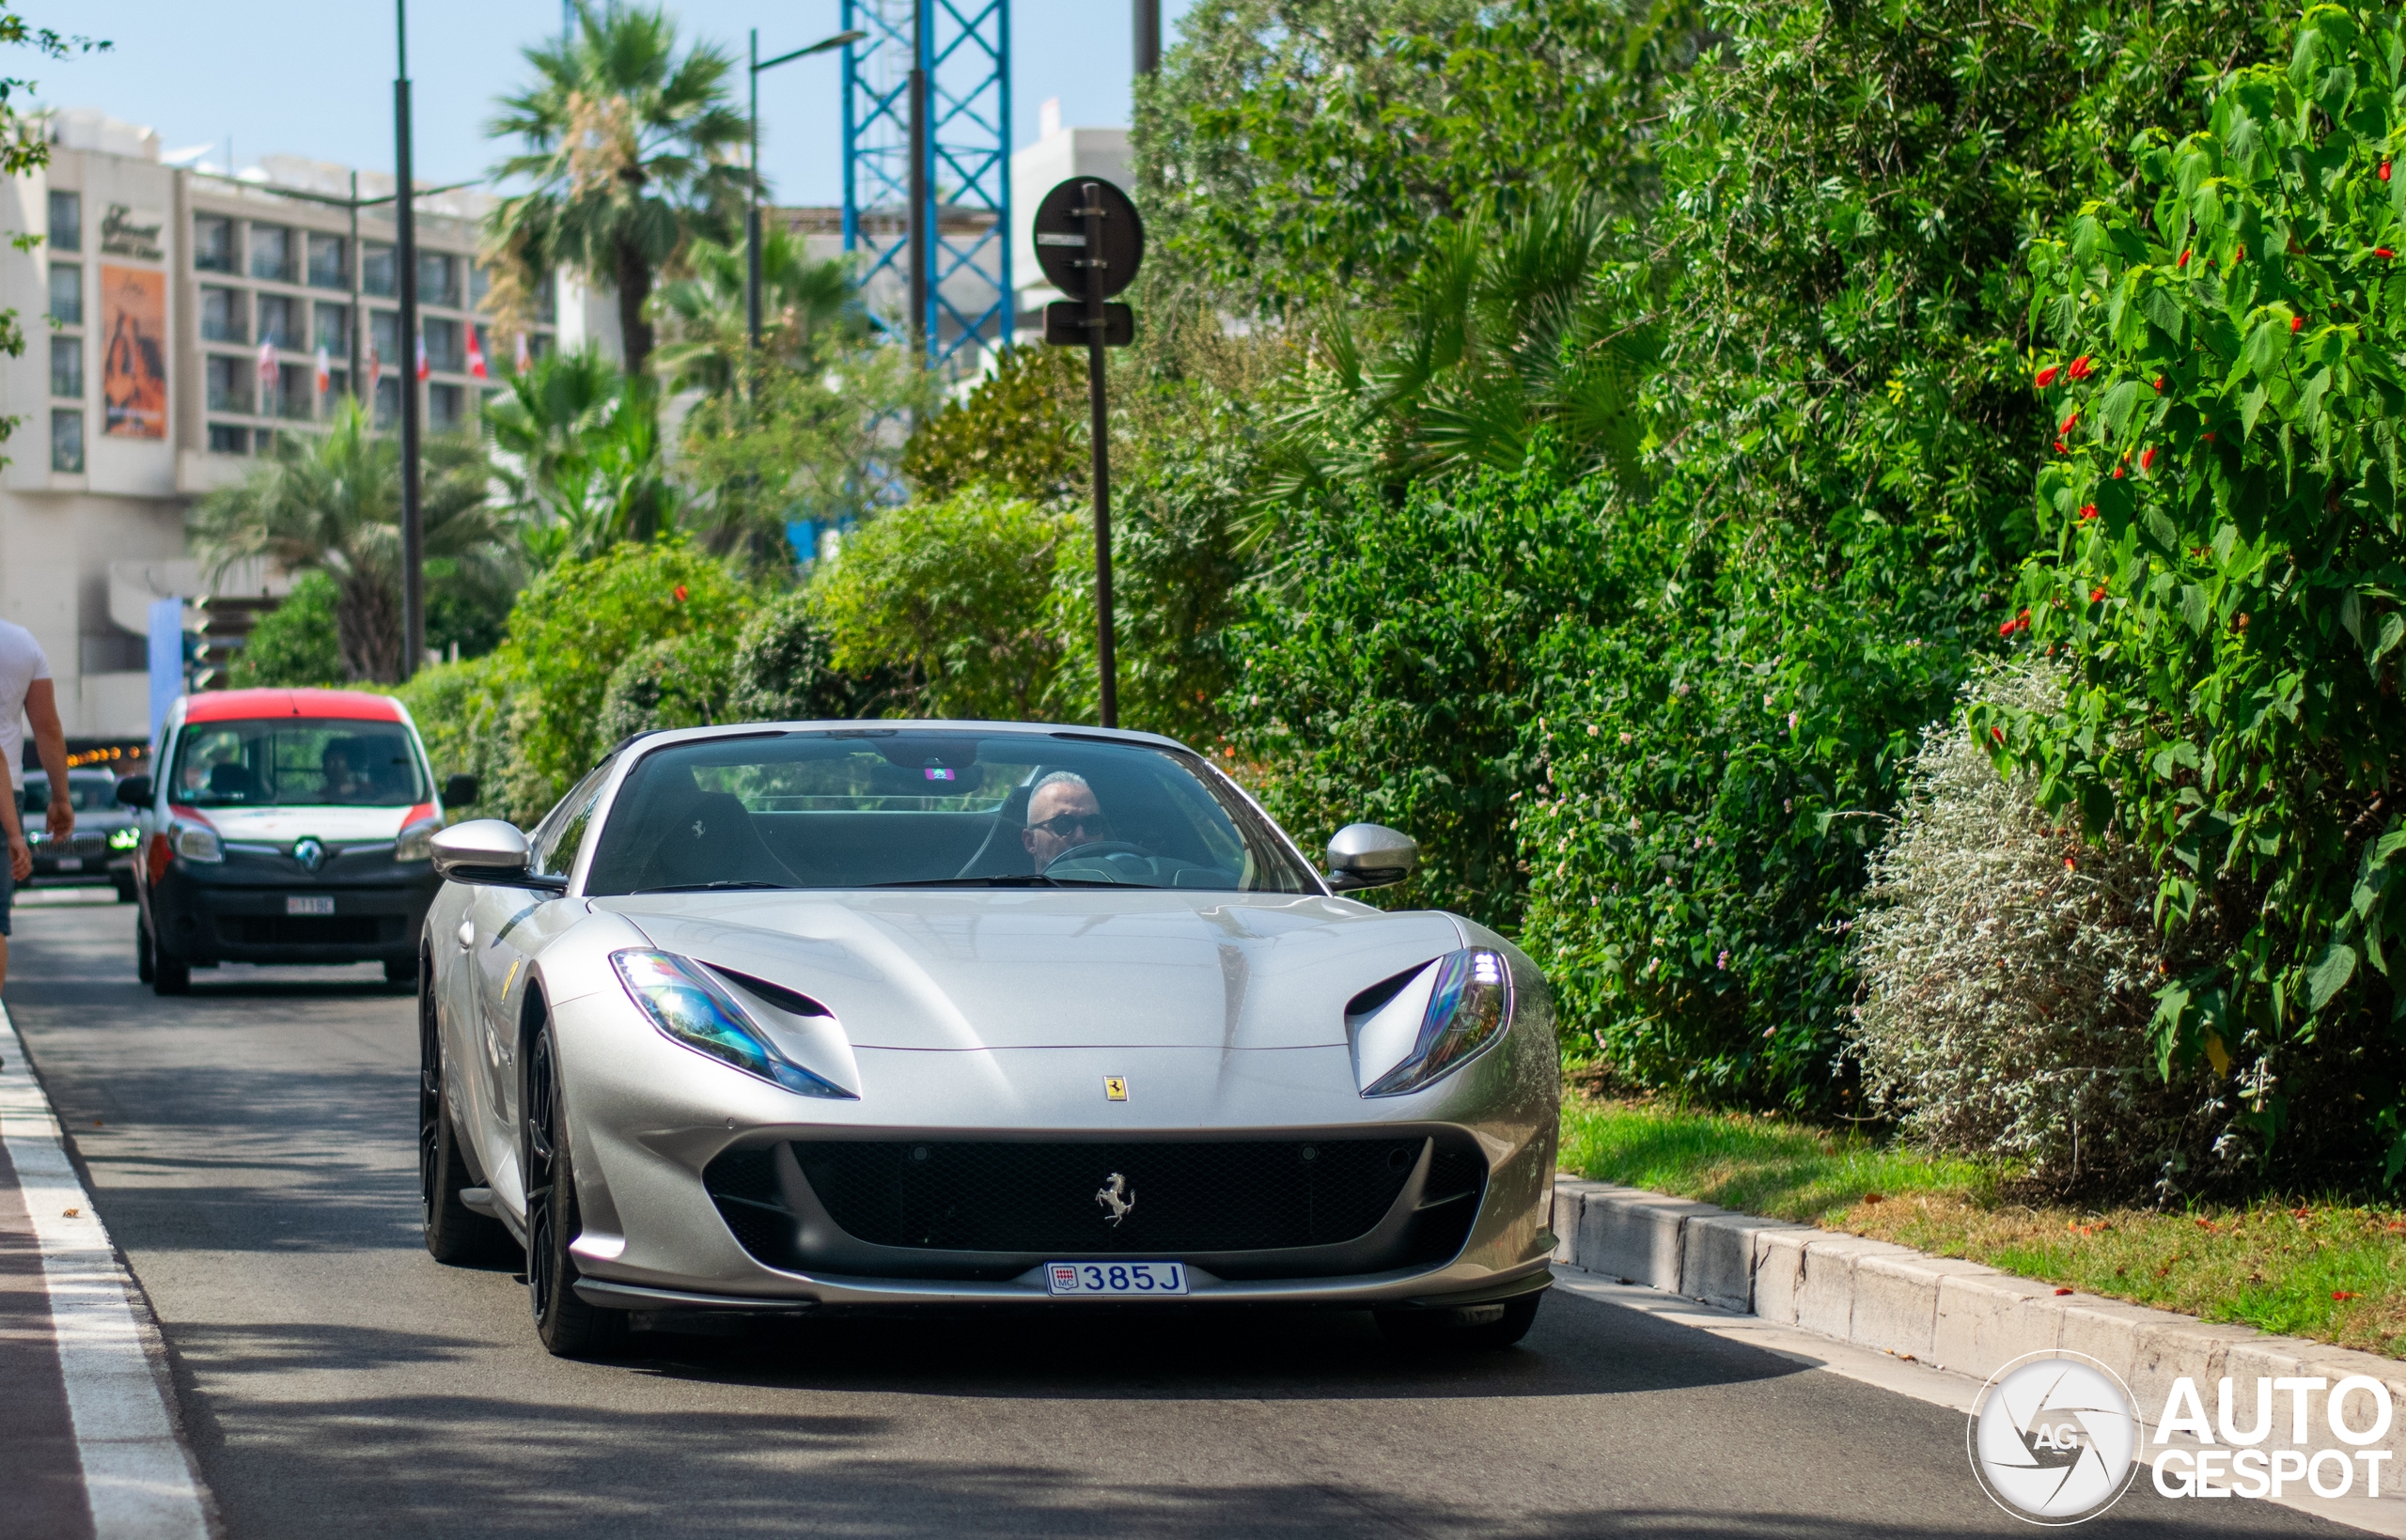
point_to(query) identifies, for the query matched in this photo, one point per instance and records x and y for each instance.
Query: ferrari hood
(952, 970)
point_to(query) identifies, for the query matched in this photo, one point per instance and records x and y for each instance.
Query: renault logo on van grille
(310, 853)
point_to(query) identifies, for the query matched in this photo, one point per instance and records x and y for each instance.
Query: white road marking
(136, 1475)
(1949, 1387)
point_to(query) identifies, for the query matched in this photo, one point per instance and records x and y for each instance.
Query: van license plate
(69, 864)
(309, 905)
(1130, 1277)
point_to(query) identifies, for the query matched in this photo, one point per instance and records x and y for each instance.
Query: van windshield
(296, 762)
(903, 807)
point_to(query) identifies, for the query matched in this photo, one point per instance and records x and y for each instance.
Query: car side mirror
(134, 791)
(1370, 855)
(488, 852)
(461, 791)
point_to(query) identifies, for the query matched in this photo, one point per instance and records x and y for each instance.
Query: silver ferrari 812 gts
(806, 1018)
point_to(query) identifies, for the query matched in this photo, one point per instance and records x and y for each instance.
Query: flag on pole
(524, 357)
(424, 368)
(325, 370)
(476, 351)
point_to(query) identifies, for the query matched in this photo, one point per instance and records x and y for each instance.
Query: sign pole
(1107, 661)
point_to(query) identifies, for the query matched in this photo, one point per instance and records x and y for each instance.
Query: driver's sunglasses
(1063, 825)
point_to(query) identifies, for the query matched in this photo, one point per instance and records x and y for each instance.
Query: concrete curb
(1953, 1315)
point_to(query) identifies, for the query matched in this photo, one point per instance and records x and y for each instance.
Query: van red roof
(250, 705)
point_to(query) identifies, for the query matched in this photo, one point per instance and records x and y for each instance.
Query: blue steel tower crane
(927, 128)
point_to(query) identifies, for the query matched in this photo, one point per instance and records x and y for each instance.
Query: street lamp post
(752, 205)
(405, 253)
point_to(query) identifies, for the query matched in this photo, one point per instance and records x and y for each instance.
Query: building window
(337, 383)
(67, 293)
(388, 402)
(295, 392)
(67, 365)
(438, 279)
(384, 336)
(67, 222)
(212, 243)
(221, 315)
(272, 252)
(66, 440)
(279, 322)
(333, 330)
(443, 407)
(227, 439)
(327, 269)
(479, 285)
(442, 345)
(229, 383)
(377, 270)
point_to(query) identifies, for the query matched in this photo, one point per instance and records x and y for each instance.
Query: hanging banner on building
(133, 353)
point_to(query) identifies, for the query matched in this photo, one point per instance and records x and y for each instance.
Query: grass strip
(2333, 1271)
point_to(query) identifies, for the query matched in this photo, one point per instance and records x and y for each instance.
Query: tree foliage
(2225, 560)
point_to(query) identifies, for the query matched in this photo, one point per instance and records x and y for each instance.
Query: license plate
(309, 905)
(1137, 1277)
(69, 864)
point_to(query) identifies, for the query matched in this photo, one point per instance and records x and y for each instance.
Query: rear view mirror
(461, 791)
(1369, 855)
(134, 791)
(488, 852)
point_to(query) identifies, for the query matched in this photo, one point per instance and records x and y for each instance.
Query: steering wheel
(1093, 849)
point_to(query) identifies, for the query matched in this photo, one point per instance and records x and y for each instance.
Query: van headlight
(417, 842)
(688, 1007)
(195, 842)
(1470, 1003)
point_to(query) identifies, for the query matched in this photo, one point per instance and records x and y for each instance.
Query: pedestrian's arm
(50, 741)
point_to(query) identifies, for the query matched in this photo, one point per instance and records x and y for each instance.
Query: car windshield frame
(249, 782)
(927, 807)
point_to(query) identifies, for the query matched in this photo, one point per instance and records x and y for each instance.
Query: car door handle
(467, 934)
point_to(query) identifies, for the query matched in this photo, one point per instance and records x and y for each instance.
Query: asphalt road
(252, 1147)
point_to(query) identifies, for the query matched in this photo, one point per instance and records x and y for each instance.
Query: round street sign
(1061, 238)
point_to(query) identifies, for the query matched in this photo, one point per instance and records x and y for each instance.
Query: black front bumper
(206, 916)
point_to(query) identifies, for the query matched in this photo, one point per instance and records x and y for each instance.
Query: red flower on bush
(2019, 623)
(680, 593)
(2146, 459)
(2185, 259)
(1998, 733)
(2080, 369)
(2383, 251)
(2297, 323)
(2060, 447)
(2384, 171)
(2097, 594)
(2210, 435)
(2047, 375)
(2159, 384)
(2066, 426)
(2087, 512)
(2117, 472)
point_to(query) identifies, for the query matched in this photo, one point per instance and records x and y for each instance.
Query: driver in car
(1062, 814)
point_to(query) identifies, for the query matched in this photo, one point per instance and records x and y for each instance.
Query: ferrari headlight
(125, 838)
(417, 841)
(195, 842)
(1470, 1003)
(688, 1007)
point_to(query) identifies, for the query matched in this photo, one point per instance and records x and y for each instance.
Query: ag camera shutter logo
(2053, 1438)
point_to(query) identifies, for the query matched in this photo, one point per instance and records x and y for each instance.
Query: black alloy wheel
(568, 1327)
(455, 1234)
(1463, 1328)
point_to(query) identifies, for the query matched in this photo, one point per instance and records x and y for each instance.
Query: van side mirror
(1370, 855)
(461, 791)
(134, 791)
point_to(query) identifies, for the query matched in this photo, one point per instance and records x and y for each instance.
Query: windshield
(296, 762)
(898, 807)
(85, 793)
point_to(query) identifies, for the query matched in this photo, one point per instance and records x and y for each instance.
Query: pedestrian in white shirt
(26, 696)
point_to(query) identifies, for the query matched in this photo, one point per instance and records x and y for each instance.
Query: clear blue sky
(306, 78)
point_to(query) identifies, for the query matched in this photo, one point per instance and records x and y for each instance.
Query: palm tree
(331, 503)
(629, 148)
(807, 309)
(1509, 328)
(576, 449)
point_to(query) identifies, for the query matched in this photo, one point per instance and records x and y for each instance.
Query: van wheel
(169, 974)
(144, 968)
